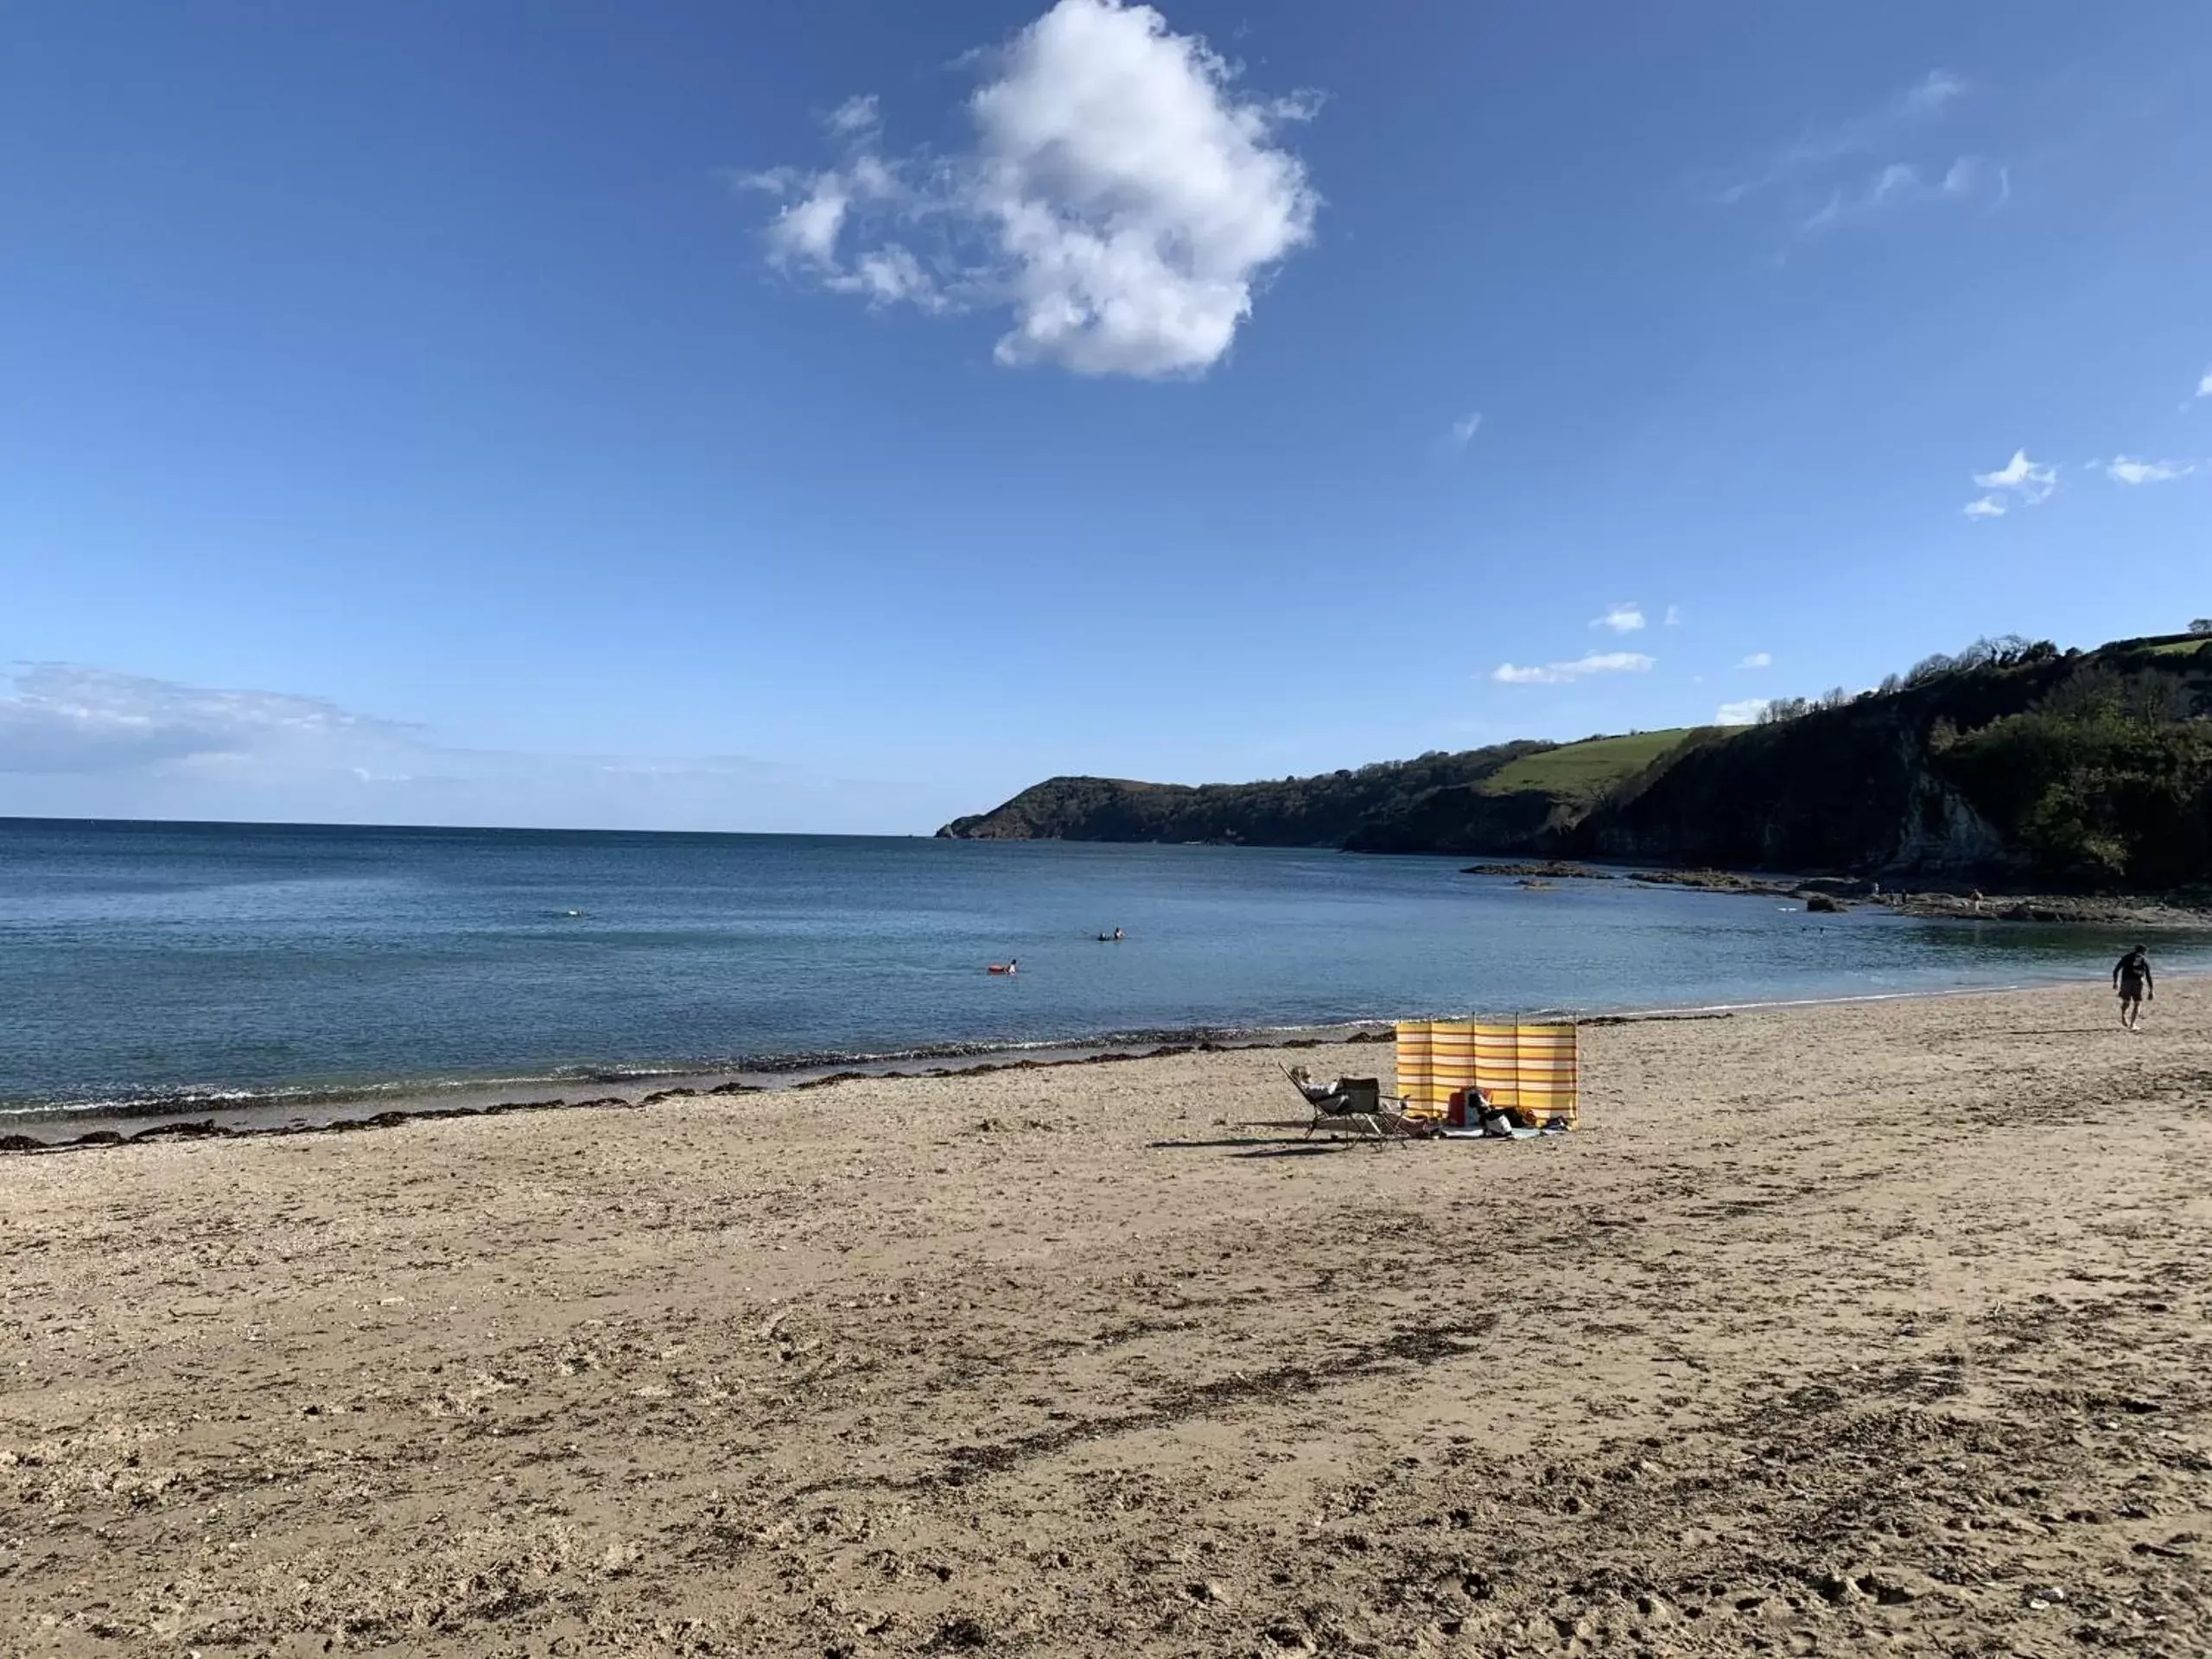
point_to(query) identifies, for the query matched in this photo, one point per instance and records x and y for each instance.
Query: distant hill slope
(1326, 810)
(1503, 795)
(2011, 761)
(1532, 803)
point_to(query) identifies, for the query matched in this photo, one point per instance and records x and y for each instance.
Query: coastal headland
(1874, 1326)
(2012, 766)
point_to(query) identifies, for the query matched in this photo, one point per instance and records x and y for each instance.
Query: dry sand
(1870, 1328)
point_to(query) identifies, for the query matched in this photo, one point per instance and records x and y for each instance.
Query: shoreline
(37, 1131)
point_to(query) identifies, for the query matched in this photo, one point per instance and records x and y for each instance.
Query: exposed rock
(2135, 911)
(1717, 881)
(1550, 870)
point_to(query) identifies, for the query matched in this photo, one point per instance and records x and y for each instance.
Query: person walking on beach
(2130, 977)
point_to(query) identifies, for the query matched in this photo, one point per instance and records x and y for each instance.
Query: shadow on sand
(1273, 1145)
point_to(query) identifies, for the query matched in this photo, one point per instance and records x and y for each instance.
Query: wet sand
(1880, 1327)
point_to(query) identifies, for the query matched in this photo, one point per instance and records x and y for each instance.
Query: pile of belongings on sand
(1342, 1102)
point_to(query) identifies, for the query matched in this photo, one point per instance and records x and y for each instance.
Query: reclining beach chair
(1356, 1106)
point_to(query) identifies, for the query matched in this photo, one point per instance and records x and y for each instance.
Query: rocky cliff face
(1465, 820)
(1878, 818)
(1836, 791)
(1944, 835)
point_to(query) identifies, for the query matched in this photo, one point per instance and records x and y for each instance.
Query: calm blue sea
(143, 964)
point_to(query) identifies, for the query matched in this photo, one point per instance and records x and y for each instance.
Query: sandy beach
(1874, 1327)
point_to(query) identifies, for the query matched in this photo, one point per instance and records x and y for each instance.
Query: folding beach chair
(1356, 1106)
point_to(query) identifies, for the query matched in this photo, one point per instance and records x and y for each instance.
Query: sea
(165, 968)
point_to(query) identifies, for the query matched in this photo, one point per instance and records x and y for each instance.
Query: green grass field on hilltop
(1580, 772)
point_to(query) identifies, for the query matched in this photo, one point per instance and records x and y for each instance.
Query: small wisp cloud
(1849, 173)
(1608, 662)
(1902, 185)
(1863, 134)
(1621, 619)
(2019, 482)
(2123, 469)
(77, 740)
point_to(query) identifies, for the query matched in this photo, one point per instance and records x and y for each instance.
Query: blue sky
(837, 415)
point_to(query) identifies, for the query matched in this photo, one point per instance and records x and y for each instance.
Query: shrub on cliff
(2106, 781)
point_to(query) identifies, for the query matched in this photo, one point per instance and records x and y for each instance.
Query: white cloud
(889, 274)
(856, 114)
(1119, 199)
(1745, 713)
(64, 719)
(1935, 90)
(2122, 469)
(2031, 482)
(2204, 385)
(1757, 659)
(2019, 472)
(1674, 617)
(1614, 662)
(807, 230)
(1898, 178)
(1138, 198)
(1621, 619)
(1465, 428)
(1609, 661)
